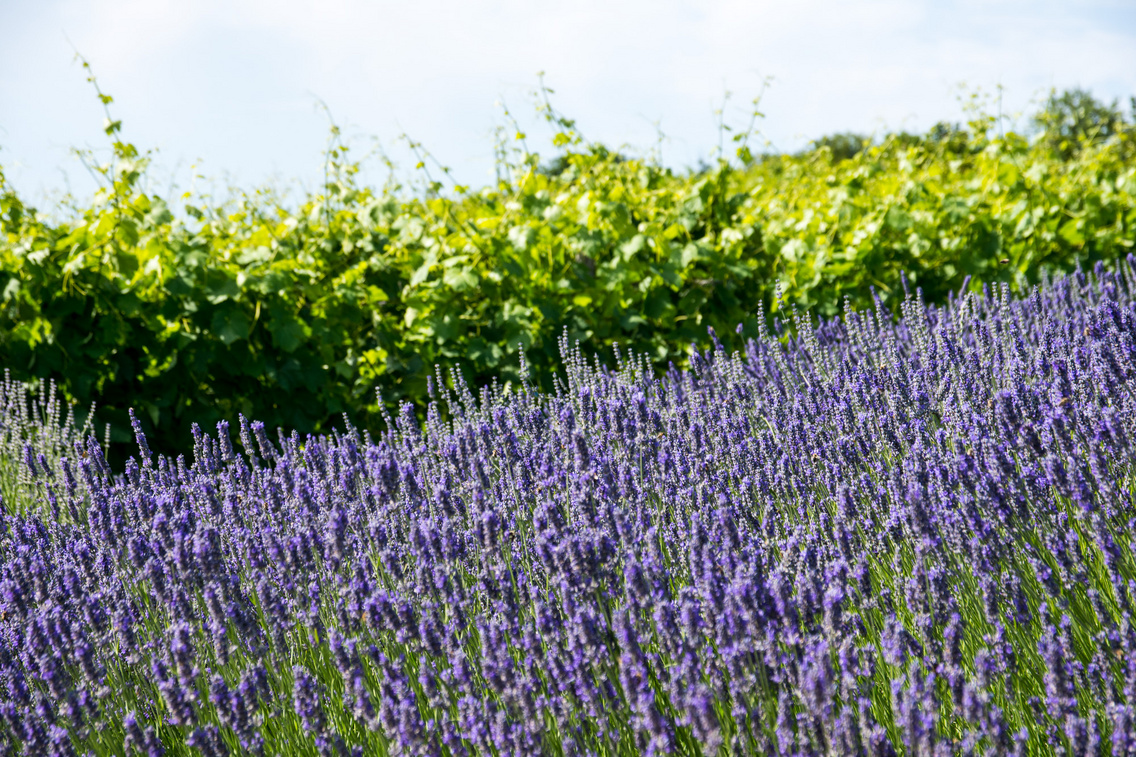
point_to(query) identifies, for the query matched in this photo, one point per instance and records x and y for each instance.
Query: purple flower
(207, 740)
(306, 702)
(139, 740)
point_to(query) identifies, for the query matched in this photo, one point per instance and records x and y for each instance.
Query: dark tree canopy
(844, 145)
(1074, 118)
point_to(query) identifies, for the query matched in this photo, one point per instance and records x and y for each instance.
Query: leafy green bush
(296, 315)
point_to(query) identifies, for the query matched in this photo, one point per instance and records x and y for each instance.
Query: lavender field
(873, 537)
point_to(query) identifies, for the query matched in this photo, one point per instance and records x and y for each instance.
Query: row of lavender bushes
(867, 537)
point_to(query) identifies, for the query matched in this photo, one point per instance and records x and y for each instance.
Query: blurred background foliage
(346, 301)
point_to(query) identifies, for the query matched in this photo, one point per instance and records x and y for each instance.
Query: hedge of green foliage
(297, 315)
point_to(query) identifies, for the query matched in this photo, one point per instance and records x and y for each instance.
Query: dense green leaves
(295, 316)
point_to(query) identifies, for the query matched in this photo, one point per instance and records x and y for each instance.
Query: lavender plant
(866, 537)
(37, 431)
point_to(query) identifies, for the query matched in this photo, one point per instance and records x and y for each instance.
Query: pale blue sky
(228, 89)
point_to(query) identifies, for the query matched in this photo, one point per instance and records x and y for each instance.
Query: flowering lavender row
(874, 538)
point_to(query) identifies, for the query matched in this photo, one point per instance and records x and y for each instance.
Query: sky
(238, 93)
